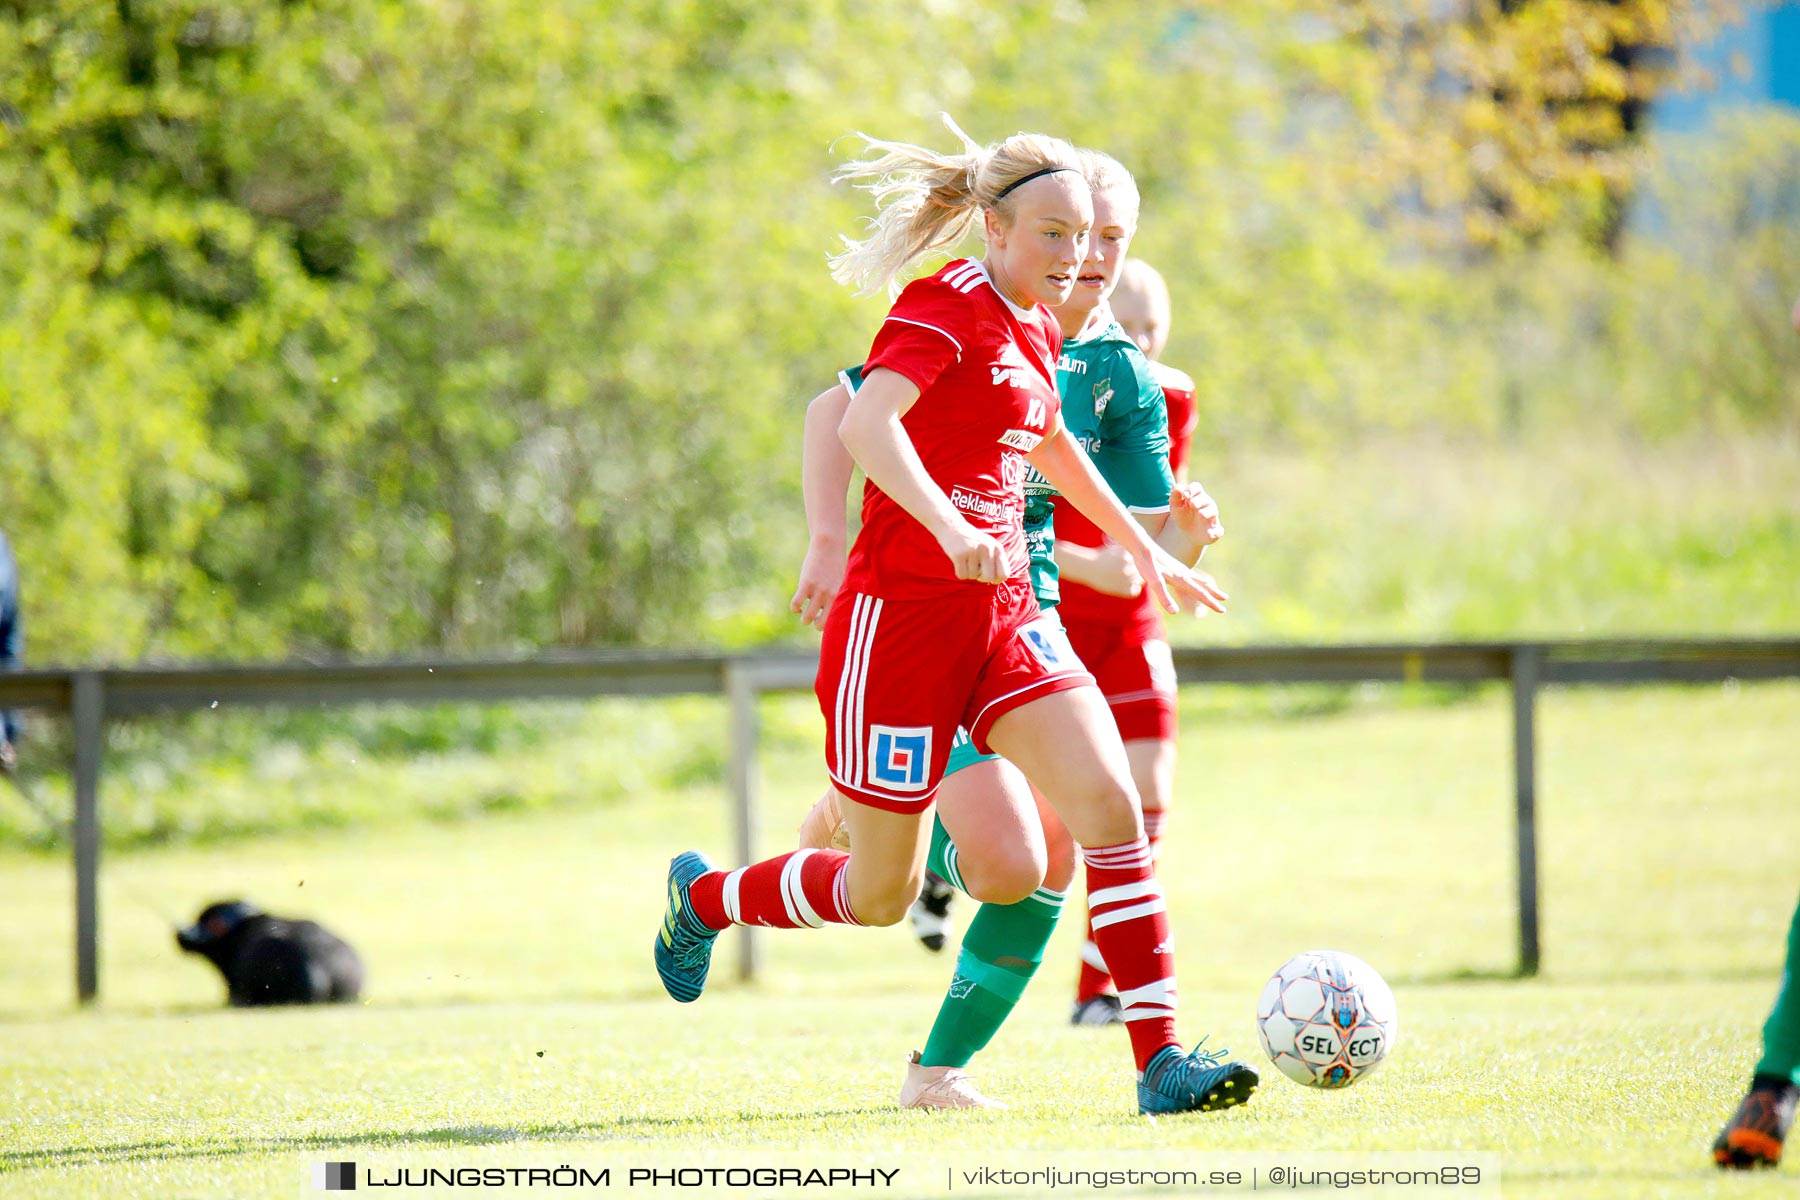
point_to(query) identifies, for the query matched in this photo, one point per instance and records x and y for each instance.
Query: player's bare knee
(1112, 813)
(882, 910)
(1004, 874)
(1003, 889)
(883, 900)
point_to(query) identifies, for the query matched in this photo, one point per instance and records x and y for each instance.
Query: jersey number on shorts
(902, 756)
(1047, 640)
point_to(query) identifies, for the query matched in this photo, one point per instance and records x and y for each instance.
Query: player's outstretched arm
(1192, 524)
(872, 432)
(825, 471)
(1063, 462)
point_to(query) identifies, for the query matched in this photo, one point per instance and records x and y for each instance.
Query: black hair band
(1020, 182)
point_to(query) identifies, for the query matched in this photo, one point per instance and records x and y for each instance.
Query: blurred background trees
(329, 326)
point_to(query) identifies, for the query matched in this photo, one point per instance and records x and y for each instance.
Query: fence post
(1525, 668)
(87, 702)
(741, 692)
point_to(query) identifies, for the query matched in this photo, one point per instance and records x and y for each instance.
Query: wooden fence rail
(91, 697)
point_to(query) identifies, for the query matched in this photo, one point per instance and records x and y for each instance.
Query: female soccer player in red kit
(936, 626)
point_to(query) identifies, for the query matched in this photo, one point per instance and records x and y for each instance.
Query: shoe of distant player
(930, 913)
(684, 945)
(952, 1089)
(1753, 1136)
(1104, 1009)
(1194, 1082)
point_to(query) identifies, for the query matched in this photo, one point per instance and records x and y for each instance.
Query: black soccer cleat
(930, 913)
(1753, 1136)
(1103, 1009)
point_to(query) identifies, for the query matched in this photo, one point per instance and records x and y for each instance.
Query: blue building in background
(1757, 62)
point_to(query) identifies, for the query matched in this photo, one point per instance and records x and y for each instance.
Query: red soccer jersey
(1137, 614)
(1184, 415)
(986, 373)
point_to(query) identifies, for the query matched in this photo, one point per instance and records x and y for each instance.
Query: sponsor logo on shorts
(900, 756)
(994, 508)
(1161, 661)
(1022, 440)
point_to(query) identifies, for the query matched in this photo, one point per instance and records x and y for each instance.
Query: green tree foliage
(367, 327)
(1511, 117)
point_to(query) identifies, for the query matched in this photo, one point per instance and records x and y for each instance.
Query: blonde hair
(926, 200)
(1142, 282)
(1107, 174)
(1141, 288)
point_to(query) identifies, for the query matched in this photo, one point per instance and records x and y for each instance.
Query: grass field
(512, 1015)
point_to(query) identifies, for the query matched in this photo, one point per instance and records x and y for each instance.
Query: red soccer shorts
(897, 677)
(1136, 675)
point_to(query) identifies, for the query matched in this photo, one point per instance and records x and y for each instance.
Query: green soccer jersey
(1038, 511)
(1114, 407)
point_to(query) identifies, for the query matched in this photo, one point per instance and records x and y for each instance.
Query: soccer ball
(1326, 1019)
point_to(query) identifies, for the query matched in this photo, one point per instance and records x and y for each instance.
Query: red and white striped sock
(1154, 820)
(1131, 926)
(1095, 979)
(803, 889)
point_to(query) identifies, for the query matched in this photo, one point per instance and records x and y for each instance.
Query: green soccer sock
(944, 862)
(1781, 1035)
(1000, 953)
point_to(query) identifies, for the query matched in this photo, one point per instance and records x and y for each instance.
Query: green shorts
(964, 754)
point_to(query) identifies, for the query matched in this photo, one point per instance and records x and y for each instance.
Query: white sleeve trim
(1148, 512)
(933, 328)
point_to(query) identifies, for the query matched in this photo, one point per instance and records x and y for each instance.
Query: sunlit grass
(511, 1011)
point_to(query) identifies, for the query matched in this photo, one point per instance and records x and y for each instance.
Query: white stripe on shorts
(866, 652)
(851, 680)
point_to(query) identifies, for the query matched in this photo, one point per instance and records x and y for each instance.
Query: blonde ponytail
(926, 201)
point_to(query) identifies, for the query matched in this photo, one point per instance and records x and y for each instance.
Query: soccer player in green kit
(1753, 1136)
(1113, 405)
(1755, 1132)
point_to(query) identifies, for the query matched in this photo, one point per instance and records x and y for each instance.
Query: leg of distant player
(1064, 743)
(1754, 1135)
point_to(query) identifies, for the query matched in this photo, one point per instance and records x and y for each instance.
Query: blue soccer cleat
(1194, 1082)
(683, 945)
